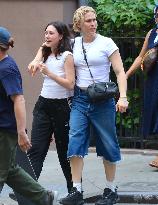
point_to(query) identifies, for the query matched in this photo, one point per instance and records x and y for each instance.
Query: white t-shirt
(97, 53)
(52, 89)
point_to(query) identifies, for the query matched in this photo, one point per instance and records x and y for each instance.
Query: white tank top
(52, 89)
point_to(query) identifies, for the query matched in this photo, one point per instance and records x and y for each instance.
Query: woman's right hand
(33, 67)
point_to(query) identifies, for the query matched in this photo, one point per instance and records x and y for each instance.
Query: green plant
(133, 115)
(123, 17)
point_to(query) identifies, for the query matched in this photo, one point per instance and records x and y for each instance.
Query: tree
(124, 17)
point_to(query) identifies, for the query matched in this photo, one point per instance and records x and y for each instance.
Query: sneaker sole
(110, 202)
(78, 203)
(55, 197)
(114, 201)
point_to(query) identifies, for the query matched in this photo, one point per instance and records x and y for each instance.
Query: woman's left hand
(122, 104)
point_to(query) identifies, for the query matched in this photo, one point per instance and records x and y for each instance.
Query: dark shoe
(108, 198)
(51, 198)
(73, 198)
(12, 196)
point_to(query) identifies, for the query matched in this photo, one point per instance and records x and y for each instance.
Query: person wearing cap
(13, 129)
(150, 105)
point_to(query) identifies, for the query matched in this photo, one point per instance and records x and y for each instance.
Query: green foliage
(124, 17)
(132, 118)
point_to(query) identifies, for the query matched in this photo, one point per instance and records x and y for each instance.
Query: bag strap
(72, 43)
(85, 58)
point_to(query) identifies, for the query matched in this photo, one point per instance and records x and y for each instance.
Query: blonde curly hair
(79, 16)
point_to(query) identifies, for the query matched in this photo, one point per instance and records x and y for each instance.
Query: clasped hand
(35, 65)
(122, 105)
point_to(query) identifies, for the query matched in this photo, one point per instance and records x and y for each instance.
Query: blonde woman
(100, 52)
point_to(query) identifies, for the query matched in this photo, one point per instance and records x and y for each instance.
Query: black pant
(50, 116)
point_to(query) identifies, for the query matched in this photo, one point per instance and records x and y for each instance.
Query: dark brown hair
(64, 43)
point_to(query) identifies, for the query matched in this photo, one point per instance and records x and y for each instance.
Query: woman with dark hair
(51, 111)
(150, 108)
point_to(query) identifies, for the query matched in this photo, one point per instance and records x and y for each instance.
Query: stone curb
(131, 197)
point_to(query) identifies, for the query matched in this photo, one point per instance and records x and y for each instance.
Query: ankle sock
(110, 185)
(78, 186)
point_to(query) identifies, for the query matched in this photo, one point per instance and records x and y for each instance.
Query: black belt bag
(99, 91)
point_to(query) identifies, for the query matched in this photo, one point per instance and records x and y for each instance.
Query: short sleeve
(65, 54)
(110, 46)
(12, 84)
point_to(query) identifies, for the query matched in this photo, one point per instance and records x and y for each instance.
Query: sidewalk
(137, 182)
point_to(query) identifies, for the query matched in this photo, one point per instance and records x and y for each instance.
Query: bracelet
(123, 97)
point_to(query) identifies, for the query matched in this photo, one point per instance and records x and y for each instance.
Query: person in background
(13, 129)
(150, 105)
(52, 109)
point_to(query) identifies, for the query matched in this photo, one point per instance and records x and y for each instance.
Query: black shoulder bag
(99, 91)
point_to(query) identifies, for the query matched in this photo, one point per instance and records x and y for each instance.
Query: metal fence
(129, 123)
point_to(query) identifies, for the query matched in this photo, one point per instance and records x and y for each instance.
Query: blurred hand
(122, 105)
(43, 69)
(33, 67)
(24, 141)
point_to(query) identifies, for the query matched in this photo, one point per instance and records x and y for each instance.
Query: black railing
(129, 124)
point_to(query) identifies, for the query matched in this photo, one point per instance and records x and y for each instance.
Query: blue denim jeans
(102, 117)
